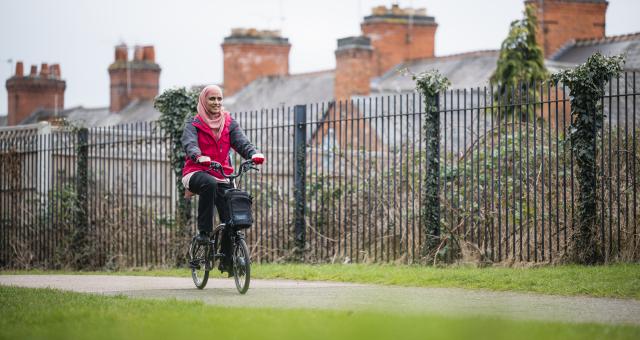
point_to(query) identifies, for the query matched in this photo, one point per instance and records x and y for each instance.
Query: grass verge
(45, 313)
(619, 280)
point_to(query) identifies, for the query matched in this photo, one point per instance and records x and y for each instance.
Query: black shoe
(226, 268)
(202, 238)
(195, 264)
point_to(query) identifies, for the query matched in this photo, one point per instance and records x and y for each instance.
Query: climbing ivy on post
(175, 105)
(79, 244)
(586, 83)
(429, 84)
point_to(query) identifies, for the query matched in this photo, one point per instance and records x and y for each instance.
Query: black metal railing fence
(351, 192)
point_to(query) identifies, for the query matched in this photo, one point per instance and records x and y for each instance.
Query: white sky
(81, 34)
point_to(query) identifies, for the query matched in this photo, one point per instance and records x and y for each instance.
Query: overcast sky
(81, 34)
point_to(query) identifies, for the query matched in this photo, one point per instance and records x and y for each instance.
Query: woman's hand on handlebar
(215, 166)
(258, 158)
(206, 160)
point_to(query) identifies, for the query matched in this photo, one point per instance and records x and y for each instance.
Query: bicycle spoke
(241, 266)
(199, 263)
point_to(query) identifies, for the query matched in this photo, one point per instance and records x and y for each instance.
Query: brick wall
(26, 94)
(353, 67)
(137, 79)
(560, 21)
(398, 35)
(250, 54)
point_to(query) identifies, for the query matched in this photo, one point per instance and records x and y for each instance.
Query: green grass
(619, 280)
(45, 313)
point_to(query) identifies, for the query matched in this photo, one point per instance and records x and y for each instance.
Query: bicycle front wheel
(198, 261)
(241, 266)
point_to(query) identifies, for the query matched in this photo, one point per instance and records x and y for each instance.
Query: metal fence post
(300, 140)
(82, 180)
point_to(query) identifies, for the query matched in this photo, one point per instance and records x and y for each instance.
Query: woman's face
(214, 102)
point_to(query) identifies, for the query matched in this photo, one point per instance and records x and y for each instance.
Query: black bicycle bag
(239, 203)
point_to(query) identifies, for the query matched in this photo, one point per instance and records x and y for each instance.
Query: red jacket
(198, 140)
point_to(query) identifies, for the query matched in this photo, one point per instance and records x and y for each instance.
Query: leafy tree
(521, 63)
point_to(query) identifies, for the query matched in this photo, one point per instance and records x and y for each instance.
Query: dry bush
(526, 213)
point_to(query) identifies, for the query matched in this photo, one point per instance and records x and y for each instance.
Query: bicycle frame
(243, 168)
(237, 242)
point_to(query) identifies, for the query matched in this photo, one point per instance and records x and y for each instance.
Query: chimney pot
(128, 84)
(121, 53)
(55, 71)
(149, 54)
(138, 53)
(19, 69)
(44, 70)
(38, 91)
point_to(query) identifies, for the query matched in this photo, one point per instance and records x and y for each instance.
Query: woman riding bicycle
(207, 137)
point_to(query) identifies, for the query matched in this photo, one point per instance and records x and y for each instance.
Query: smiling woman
(207, 138)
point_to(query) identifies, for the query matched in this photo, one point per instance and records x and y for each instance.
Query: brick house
(256, 65)
(395, 39)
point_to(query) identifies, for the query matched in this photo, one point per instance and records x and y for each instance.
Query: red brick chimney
(19, 69)
(250, 54)
(399, 34)
(354, 68)
(137, 79)
(560, 21)
(33, 92)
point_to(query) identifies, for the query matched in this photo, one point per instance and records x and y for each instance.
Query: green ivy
(586, 83)
(175, 105)
(521, 62)
(430, 84)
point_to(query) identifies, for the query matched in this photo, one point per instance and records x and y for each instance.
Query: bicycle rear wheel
(199, 263)
(241, 266)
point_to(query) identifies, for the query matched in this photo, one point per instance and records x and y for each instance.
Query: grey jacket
(238, 140)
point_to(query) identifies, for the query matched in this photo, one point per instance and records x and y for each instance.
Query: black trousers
(211, 193)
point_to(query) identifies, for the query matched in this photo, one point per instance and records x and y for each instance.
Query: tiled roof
(463, 70)
(577, 52)
(136, 111)
(283, 91)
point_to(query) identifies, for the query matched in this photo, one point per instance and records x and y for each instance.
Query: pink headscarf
(214, 121)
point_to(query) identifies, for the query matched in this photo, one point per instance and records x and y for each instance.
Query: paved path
(346, 296)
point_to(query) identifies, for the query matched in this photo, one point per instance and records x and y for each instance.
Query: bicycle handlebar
(244, 167)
